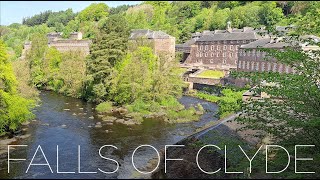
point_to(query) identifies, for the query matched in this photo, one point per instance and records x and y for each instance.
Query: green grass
(211, 74)
(104, 107)
(180, 71)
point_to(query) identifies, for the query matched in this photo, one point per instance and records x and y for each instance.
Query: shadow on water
(69, 123)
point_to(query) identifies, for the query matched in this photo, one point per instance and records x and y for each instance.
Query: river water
(69, 123)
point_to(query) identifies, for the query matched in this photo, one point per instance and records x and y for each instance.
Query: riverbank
(224, 133)
(69, 122)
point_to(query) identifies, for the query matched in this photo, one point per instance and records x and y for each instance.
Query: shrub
(104, 107)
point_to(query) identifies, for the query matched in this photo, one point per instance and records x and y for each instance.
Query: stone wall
(165, 45)
(209, 81)
(72, 45)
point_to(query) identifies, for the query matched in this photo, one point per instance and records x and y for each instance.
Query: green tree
(107, 49)
(94, 12)
(270, 14)
(35, 57)
(13, 108)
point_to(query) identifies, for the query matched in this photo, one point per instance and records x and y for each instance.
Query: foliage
(94, 12)
(22, 74)
(108, 48)
(104, 107)
(14, 109)
(35, 57)
(229, 102)
(37, 19)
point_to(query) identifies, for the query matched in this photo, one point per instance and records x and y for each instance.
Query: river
(69, 122)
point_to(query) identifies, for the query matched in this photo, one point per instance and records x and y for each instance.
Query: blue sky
(14, 11)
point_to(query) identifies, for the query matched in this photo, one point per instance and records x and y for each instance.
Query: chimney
(229, 29)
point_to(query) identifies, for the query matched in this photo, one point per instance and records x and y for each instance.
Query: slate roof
(229, 36)
(265, 43)
(149, 34)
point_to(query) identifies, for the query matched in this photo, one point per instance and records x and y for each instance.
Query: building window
(280, 68)
(217, 54)
(206, 54)
(201, 47)
(224, 61)
(231, 47)
(201, 54)
(197, 54)
(244, 64)
(224, 54)
(211, 60)
(225, 47)
(212, 54)
(274, 67)
(262, 66)
(218, 47)
(206, 47)
(252, 65)
(238, 41)
(212, 47)
(248, 65)
(258, 53)
(231, 54)
(239, 64)
(244, 41)
(237, 47)
(287, 69)
(269, 66)
(244, 53)
(257, 66)
(249, 53)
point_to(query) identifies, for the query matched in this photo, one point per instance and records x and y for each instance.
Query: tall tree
(13, 108)
(107, 49)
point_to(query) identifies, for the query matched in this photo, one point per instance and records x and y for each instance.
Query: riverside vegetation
(94, 78)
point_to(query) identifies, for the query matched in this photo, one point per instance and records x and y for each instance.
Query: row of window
(252, 53)
(265, 66)
(226, 42)
(224, 54)
(224, 61)
(217, 47)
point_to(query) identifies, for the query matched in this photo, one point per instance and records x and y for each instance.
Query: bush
(229, 102)
(104, 107)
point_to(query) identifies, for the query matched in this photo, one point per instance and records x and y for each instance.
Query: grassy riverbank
(168, 110)
(229, 101)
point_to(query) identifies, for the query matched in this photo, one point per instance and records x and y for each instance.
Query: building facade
(161, 42)
(74, 43)
(218, 49)
(251, 58)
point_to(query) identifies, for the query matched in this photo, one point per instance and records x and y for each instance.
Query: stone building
(54, 36)
(252, 59)
(217, 49)
(74, 43)
(160, 41)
